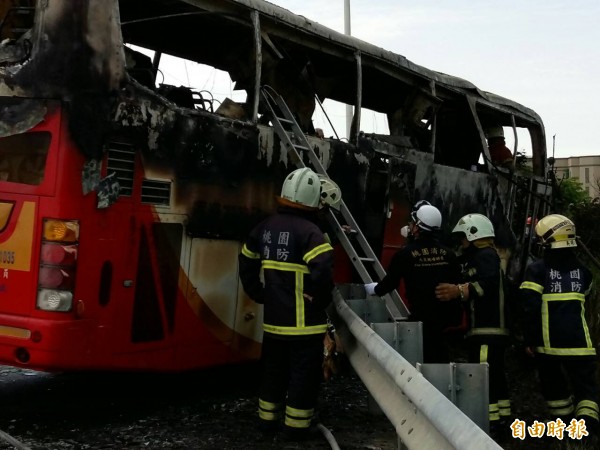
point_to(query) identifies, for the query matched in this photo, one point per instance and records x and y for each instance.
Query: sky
(544, 54)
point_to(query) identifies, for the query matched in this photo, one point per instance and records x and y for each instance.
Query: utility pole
(347, 31)
(552, 160)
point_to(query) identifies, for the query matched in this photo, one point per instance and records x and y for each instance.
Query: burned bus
(124, 202)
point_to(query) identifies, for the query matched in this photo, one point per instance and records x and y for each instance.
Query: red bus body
(146, 277)
(103, 336)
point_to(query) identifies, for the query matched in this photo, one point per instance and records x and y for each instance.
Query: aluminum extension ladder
(357, 247)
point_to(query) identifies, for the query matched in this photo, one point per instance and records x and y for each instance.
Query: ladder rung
(297, 141)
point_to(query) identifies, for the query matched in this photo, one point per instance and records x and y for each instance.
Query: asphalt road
(211, 409)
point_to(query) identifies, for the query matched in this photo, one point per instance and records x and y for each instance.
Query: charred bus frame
(215, 171)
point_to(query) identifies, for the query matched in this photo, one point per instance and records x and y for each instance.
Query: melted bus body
(123, 205)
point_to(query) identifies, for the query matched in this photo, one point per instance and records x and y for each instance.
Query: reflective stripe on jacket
(296, 260)
(481, 269)
(553, 296)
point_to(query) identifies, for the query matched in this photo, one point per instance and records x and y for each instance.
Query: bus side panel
(18, 256)
(212, 302)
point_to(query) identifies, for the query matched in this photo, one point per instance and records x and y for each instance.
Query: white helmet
(419, 204)
(427, 218)
(330, 192)
(474, 226)
(302, 186)
(556, 231)
(494, 132)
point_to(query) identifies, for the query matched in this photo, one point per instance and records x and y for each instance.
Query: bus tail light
(57, 254)
(58, 261)
(61, 230)
(56, 278)
(54, 300)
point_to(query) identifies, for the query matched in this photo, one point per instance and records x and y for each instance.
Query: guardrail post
(404, 337)
(465, 385)
(422, 416)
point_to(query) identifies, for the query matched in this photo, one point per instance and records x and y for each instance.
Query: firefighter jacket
(500, 153)
(296, 260)
(553, 297)
(424, 263)
(481, 270)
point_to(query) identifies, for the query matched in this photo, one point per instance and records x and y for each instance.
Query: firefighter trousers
(492, 351)
(556, 373)
(291, 375)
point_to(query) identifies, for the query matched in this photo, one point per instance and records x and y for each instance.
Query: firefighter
(423, 263)
(499, 152)
(553, 297)
(297, 266)
(405, 230)
(483, 291)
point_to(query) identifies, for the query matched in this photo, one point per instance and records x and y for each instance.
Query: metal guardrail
(422, 416)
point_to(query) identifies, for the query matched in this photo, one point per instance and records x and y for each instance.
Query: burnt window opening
(503, 140)
(223, 97)
(457, 139)
(139, 66)
(17, 18)
(23, 157)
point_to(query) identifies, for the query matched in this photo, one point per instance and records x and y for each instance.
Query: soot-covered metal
(74, 52)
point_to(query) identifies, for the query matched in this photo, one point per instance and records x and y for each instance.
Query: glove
(405, 231)
(370, 288)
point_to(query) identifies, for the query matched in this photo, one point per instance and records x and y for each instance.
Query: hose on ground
(12, 441)
(329, 436)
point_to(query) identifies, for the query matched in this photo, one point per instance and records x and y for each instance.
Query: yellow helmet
(556, 231)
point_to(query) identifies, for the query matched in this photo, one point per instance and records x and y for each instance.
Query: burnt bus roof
(220, 34)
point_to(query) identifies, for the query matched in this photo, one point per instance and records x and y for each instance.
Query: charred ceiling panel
(179, 29)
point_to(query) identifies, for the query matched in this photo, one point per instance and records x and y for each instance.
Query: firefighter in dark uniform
(297, 264)
(423, 263)
(555, 331)
(483, 291)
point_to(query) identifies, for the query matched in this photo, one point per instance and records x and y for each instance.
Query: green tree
(570, 195)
